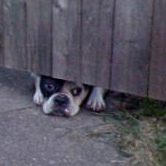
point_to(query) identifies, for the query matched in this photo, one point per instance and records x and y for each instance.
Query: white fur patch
(96, 101)
(38, 96)
(48, 105)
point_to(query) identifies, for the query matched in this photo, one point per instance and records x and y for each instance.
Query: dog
(59, 97)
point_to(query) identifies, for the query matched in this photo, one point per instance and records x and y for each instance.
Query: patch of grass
(160, 143)
(141, 131)
(137, 140)
(152, 107)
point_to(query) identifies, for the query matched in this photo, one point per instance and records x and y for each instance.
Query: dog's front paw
(38, 98)
(96, 101)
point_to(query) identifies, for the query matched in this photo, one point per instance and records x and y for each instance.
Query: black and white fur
(62, 100)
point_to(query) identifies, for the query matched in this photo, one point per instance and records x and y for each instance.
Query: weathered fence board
(90, 12)
(97, 23)
(39, 36)
(1, 34)
(66, 39)
(117, 44)
(14, 34)
(131, 54)
(158, 60)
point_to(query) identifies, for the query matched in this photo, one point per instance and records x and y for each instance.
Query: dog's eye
(50, 87)
(76, 91)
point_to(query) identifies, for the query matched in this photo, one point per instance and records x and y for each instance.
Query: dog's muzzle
(61, 100)
(61, 103)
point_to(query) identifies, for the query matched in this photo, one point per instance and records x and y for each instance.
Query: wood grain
(157, 87)
(1, 34)
(90, 38)
(97, 22)
(104, 55)
(14, 34)
(131, 52)
(66, 39)
(39, 36)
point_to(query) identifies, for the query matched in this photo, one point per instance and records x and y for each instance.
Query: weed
(141, 131)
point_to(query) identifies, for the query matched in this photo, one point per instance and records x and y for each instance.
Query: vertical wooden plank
(96, 41)
(45, 37)
(66, 39)
(104, 49)
(14, 34)
(131, 53)
(33, 15)
(90, 36)
(1, 34)
(157, 88)
(97, 22)
(39, 36)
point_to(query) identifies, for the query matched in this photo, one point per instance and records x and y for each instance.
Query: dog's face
(62, 97)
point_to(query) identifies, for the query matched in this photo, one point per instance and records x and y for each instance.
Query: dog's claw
(38, 98)
(96, 103)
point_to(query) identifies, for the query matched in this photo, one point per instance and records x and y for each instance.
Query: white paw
(38, 98)
(96, 101)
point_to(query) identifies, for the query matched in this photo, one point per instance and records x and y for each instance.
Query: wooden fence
(117, 44)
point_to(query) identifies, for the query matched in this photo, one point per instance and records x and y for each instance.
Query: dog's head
(62, 97)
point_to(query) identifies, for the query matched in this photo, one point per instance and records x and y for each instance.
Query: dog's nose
(61, 100)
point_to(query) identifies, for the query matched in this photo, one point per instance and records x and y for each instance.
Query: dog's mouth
(61, 111)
